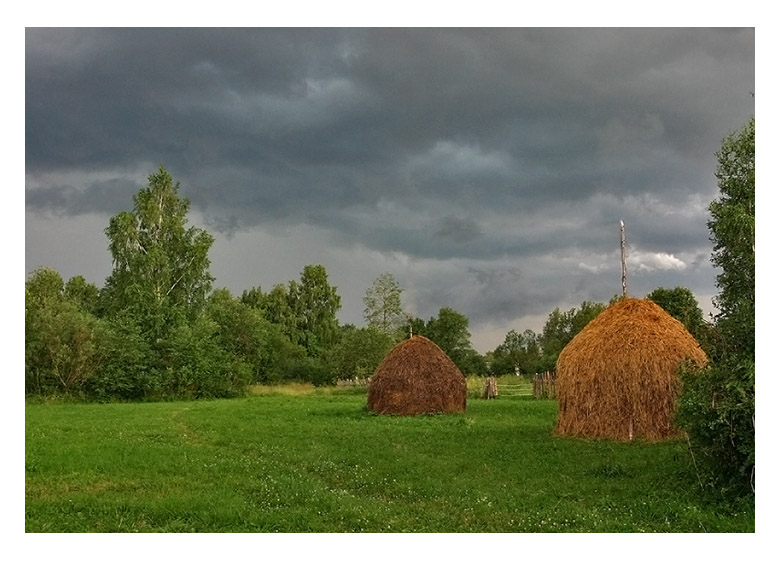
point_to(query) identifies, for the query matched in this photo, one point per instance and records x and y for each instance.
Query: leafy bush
(127, 369)
(717, 409)
(304, 368)
(60, 349)
(359, 352)
(196, 365)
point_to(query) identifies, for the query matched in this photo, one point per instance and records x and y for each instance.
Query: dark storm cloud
(491, 150)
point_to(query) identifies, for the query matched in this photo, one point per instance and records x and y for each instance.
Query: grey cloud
(491, 148)
(105, 196)
(458, 229)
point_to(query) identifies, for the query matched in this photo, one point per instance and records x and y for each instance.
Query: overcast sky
(486, 169)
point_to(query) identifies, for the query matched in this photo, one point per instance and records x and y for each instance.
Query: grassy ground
(317, 461)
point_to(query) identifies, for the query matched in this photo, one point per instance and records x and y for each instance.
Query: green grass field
(317, 461)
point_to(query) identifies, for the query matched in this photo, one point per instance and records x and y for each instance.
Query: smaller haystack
(618, 378)
(415, 378)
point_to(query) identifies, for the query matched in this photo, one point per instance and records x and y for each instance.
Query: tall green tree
(732, 226)
(277, 308)
(82, 293)
(359, 352)
(315, 303)
(518, 352)
(383, 305)
(254, 343)
(450, 331)
(160, 273)
(254, 297)
(717, 404)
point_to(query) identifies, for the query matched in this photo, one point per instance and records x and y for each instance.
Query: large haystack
(618, 378)
(417, 377)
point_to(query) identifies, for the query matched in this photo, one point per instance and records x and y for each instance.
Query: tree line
(157, 329)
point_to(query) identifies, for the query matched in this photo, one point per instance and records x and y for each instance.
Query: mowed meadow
(299, 459)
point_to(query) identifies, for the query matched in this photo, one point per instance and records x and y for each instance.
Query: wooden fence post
(544, 385)
(489, 388)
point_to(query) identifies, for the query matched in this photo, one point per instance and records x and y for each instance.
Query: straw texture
(416, 378)
(618, 378)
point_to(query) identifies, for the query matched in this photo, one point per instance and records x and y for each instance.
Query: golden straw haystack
(618, 378)
(417, 377)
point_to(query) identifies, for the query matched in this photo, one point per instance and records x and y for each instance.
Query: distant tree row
(528, 352)
(157, 329)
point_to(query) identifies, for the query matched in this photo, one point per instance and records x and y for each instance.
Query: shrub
(304, 368)
(61, 352)
(127, 369)
(196, 365)
(717, 409)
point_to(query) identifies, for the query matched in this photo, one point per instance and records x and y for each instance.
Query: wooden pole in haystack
(624, 283)
(623, 257)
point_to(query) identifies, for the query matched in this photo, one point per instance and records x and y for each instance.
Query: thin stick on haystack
(622, 256)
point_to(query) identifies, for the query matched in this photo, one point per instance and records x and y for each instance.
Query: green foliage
(60, 349)
(717, 405)
(161, 273)
(359, 352)
(518, 351)
(717, 408)
(417, 325)
(250, 339)
(197, 365)
(277, 309)
(383, 305)
(305, 311)
(304, 368)
(82, 293)
(254, 297)
(732, 225)
(471, 362)
(44, 286)
(60, 338)
(315, 304)
(127, 368)
(449, 330)
(561, 327)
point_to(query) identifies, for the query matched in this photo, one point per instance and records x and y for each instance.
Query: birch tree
(383, 305)
(160, 270)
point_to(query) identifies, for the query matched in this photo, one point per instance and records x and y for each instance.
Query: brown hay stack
(618, 378)
(415, 378)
